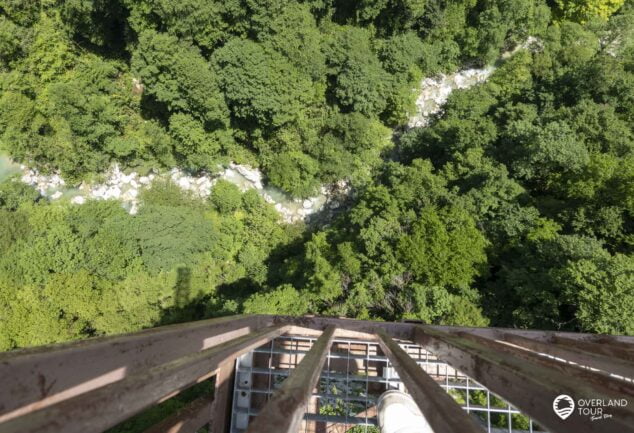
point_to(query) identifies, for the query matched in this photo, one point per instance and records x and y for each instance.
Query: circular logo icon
(563, 405)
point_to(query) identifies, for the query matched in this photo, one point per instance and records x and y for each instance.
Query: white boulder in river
(253, 175)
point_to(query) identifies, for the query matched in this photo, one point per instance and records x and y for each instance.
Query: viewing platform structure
(317, 374)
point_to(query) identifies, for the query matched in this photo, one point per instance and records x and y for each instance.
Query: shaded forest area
(513, 208)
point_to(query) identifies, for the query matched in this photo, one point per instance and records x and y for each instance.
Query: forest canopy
(513, 207)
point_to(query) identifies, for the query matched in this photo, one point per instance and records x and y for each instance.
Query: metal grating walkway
(355, 374)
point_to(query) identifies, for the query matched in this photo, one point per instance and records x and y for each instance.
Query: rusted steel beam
(546, 336)
(624, 342)
(104, 407)
(575, 353)
(598, 380)
(616, 350)
(530, 386)
(284, 412)
(404, 329)
(221, 409)
(36, 378)
(339, 333)
(440, 410)
(188, 419)
(393, 329)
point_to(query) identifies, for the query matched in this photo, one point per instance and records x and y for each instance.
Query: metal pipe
(398, 413)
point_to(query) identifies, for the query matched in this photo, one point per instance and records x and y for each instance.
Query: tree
(50, 52)
(200, 23)
(494, 23)
(197, 148)
(584, 10)
(443, 248)
(547, 153)
(538, 275)
(514, 206)
(14, 193)
(358, 81)
(294, 172)
(178, 78)
(97, 21)
(295, 34)
(322, 279)
(603, 293)
(135, 303)
(225, 197)
(176, 75)
(84, 115)
(10, 46)
(426, 303)
(28, 319)
(400, 53)
(261, 87)
(168, 236)
(464, 312)
(21, 12)
(389, 16)
(349, 146)
(283, 300)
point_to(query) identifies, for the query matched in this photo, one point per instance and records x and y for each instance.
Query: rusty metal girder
(403, 330)
(545, 336)
(284, 412)
(394, 329)
(598, 380)
(221, 408)
(575, 353)
(36, 378)
(110, 378)
(442, 413)
(97, 410)
(599, 345)
(530, 386)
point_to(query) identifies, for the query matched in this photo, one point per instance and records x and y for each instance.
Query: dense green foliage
(196, 83)
(73, 271)
(542, 156)
(514, 207)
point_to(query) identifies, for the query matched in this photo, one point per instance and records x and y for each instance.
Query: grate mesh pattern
(354, 375)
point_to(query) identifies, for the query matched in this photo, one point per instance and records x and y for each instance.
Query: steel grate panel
(355, 374)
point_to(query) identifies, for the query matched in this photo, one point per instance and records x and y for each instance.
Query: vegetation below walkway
(513, 208)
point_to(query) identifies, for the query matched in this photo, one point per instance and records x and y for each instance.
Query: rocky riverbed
(435, 91)
(127, 186)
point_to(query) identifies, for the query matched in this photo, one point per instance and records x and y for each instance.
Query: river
(433, 93)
